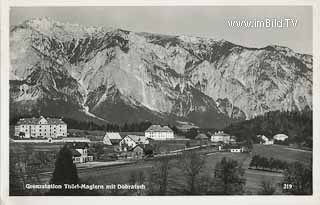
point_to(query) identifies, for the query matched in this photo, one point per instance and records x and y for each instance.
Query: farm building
(202, 137)
(131, 141)
(221, 136)
(79, 152)
(111, 138)
(137, 152)
(158, 132)
(264, 140)
(280, 137)
(40, 128)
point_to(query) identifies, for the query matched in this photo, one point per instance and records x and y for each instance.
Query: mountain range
(116, 76)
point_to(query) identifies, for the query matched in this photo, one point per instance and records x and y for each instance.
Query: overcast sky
(197, 21)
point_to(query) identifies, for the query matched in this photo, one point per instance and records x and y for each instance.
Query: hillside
(117, 76)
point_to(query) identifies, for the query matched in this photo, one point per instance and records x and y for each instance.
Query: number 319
(287, 186)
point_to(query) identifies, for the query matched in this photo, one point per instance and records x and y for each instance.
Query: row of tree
(297, 125)
(258, 161)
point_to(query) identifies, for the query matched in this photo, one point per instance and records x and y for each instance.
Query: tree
(16, 187)
(65, 172)
(266, 188)
(160, 175)
(298, 179)
(137, 178)
(255, 161)
(192, 164)
(229, 178)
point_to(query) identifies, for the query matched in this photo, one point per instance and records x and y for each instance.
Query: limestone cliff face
(118, 76)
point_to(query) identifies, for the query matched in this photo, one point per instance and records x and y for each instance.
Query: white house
(158, 132)
(79, 152)
(280, 137)
(236, 149)
(40, 128)
(221, 136)
(264, 140)
(131, 141)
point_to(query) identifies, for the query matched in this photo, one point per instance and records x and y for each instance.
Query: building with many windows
(221, 136)
(40, 128)
(158, 132)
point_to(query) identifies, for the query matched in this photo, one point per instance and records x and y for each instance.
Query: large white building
(221, 136)
(158, 132)
(40, 128)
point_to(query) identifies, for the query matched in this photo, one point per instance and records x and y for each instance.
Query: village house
(40, 128)
(264, 140)
(112, 138)
(221, 136)
(131, 141)
(202, 138)
(79, 152)
(280, 137)
(236, 148)
(137, 152)
(158, 132)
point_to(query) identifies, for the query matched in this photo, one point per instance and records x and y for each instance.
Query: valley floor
(120, 172)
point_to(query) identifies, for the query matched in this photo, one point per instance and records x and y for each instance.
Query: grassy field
(34, 147)
(283, 153)
(122, 174)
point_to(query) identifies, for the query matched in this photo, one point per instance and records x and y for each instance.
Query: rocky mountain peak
(112, 74)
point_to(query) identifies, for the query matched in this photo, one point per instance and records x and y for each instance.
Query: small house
(236, 148)
(79, 152)
(137, 152)
(264, 140)
(201, 137)
(131, 141)
(280, 137)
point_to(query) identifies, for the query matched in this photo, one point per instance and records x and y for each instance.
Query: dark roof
(77, 145)
(138, 147)
(201, 136)
(36, 121)
(75, 153)
(159, 128)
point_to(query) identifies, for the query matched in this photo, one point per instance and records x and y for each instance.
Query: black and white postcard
(159, 100)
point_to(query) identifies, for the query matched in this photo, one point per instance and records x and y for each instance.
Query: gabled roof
(107, 141)
(159, 128)
(113, 135)
(280, 136)
(137, 139)
(201, 136)
(75, 153)
(36, 121)
(139, 146)
(77, 145)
